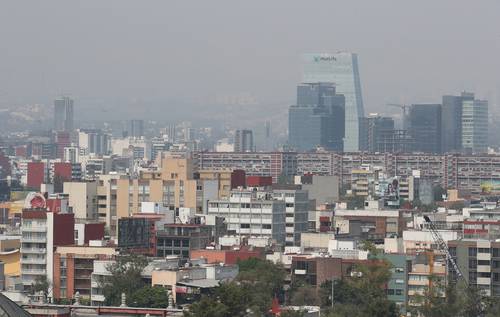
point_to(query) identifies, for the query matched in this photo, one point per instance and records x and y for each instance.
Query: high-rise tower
(63, 114)
(342, 70)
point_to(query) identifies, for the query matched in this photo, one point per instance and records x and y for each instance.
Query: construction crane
(404, 108)
(443, 247)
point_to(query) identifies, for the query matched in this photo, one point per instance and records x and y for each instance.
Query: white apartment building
(252, 214)
(41, 231)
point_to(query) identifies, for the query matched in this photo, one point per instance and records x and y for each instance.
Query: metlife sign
(324, 58)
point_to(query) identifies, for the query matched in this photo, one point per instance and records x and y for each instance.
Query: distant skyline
(120, 53)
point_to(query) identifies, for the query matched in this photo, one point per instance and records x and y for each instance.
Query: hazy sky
(110, 51)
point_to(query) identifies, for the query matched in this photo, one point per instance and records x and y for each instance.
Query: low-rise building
(179, 239)
(73, 267)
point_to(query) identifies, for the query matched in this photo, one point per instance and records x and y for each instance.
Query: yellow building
(10, 254)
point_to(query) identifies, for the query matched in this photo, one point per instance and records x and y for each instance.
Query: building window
(483, 262)
(496, 252)
(245, 226)
(472, 252)
(484, 250)
(472, 264)
(472, 277)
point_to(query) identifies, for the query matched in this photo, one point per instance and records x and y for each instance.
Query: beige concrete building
(106, 201)
(223, 178)
(82, 199)
(176, 185)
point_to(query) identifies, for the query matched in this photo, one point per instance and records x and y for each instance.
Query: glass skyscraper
(63, 114)
(464, 124)
(317, 120)
(474, 124)
(342, 69)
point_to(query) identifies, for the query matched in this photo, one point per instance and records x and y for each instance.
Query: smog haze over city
(250, 158)
(126, 56)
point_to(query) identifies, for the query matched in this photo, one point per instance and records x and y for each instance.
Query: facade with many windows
(252, 214)
(479, 261)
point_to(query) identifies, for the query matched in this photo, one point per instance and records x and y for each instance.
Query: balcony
(483, 281)
(28, 281)
(33, 250)
(34, 239)
(33, 261)
(34, 229)
(33, 271)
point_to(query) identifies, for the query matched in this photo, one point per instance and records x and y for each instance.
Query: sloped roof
(10, 309)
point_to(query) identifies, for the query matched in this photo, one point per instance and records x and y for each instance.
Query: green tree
(125, 277)
(453, 300)
(305, 295)
(438, 192)
(360, 295)
(207, 307)
(369, 246)
(251, 294)
(355, 202)
(41, 284)
(262, 273)
(154, 297)
(227, 300)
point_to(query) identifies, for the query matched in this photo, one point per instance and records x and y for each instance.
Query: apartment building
(253, 213)
(316, 270)
(82, 199)
(176, 186)
(179, 239)
(428, 269)
(41, 232)
(106, 202)
(479, 261)
(73, 267)
(397, 287)
(297, 213)
(369, 224)
(458, 171)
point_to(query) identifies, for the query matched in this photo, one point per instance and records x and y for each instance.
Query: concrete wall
(324, 189)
